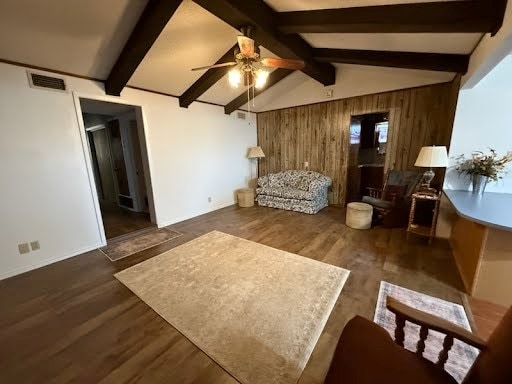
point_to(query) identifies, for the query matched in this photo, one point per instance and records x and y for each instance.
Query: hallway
(119, 221)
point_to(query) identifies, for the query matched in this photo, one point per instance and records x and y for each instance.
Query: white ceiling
(409, 42)
(351, 80)
(193, 38)
(80, 37)
(85, 38)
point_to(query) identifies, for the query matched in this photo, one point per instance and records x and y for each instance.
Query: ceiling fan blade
(215, 66)
(246, 45)
(282, 63)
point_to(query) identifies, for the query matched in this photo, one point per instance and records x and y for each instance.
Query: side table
(424, 226)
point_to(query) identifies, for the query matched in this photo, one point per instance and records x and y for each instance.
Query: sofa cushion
(275, 180)
(379, 203)
(296, 179)
(286, 192)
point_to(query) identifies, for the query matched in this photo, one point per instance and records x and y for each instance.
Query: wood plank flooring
(486, 316)
(73, 322)
(119, 221)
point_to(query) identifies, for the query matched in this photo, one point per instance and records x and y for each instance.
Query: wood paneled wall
(319, 133)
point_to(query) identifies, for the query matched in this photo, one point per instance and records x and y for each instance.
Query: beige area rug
(257, 311)
(461, 356)
(126, 246)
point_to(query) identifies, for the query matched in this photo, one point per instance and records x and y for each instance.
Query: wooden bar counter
(481, 241)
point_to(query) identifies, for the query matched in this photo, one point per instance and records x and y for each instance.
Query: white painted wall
(484, 120)
(193, 154)
(351, 80)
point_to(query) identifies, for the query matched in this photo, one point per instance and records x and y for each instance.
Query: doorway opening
(367, 154)
(117, 149)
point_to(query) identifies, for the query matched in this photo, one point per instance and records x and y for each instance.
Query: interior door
(139, 168)
(118, 158)
(104, 164)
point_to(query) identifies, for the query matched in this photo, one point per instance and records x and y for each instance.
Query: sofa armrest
(320, 184)
(263, 181)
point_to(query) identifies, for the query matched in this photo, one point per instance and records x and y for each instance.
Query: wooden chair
(391, 203)
(366, 353)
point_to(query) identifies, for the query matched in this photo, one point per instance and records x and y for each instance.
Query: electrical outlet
(23, 248)
(209, 199)
(35, 245)
(306, 164)
(329, 93)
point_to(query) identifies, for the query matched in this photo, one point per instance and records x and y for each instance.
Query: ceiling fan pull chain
(248, 100)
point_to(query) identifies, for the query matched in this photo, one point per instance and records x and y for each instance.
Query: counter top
(490, 209)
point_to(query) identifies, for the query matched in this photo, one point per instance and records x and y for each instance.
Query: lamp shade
(255, 153)
(432, 157)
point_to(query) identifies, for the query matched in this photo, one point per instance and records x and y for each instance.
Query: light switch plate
(23, 248)
(35, 245)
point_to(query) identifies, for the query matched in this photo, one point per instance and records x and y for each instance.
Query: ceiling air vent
(40, 81)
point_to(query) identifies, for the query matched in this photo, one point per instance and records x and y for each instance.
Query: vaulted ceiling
(153, 44)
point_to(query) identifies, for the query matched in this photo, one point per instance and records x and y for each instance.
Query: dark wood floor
(73, 322)
(486, 316)
(119, 221)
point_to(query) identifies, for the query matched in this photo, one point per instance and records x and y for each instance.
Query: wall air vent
(40, 81)
(241, 115)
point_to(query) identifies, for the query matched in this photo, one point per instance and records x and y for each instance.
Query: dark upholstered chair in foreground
(366, 354)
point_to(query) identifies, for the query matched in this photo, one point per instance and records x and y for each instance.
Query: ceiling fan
(248, 64)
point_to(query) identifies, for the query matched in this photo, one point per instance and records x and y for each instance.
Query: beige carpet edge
(324, 320)
(227, 370)
(240, 238)
(317, 335)
(191, 339)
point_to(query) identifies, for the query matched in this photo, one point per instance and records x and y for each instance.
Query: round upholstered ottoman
(359, 215)
(245, 197)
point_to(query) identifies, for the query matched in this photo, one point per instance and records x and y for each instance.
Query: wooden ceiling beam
(412, 60)
(261, 18)
(464, 16)
(274, 77)
(207, 80)
(151, 23)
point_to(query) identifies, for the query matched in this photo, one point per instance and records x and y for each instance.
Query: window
(382, 128)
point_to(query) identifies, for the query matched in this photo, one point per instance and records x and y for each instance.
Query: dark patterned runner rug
(461, 356)
(123, 247)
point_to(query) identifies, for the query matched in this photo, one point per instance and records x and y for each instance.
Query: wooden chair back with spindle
(493, 365)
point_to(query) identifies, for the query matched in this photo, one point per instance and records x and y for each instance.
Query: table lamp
(431, 157)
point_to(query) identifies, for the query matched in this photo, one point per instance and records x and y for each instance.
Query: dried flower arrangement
(490, 165)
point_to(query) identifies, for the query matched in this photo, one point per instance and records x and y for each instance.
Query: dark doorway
(367, 153)
(115, 144)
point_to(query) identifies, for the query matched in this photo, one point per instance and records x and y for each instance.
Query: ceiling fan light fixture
(261, 78)
(234, 77)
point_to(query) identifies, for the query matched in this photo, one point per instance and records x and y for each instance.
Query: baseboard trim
(45, 262)
(187, 217)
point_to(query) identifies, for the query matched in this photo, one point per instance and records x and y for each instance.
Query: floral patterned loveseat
(301, 191)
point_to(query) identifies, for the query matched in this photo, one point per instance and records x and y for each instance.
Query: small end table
(421, 228)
